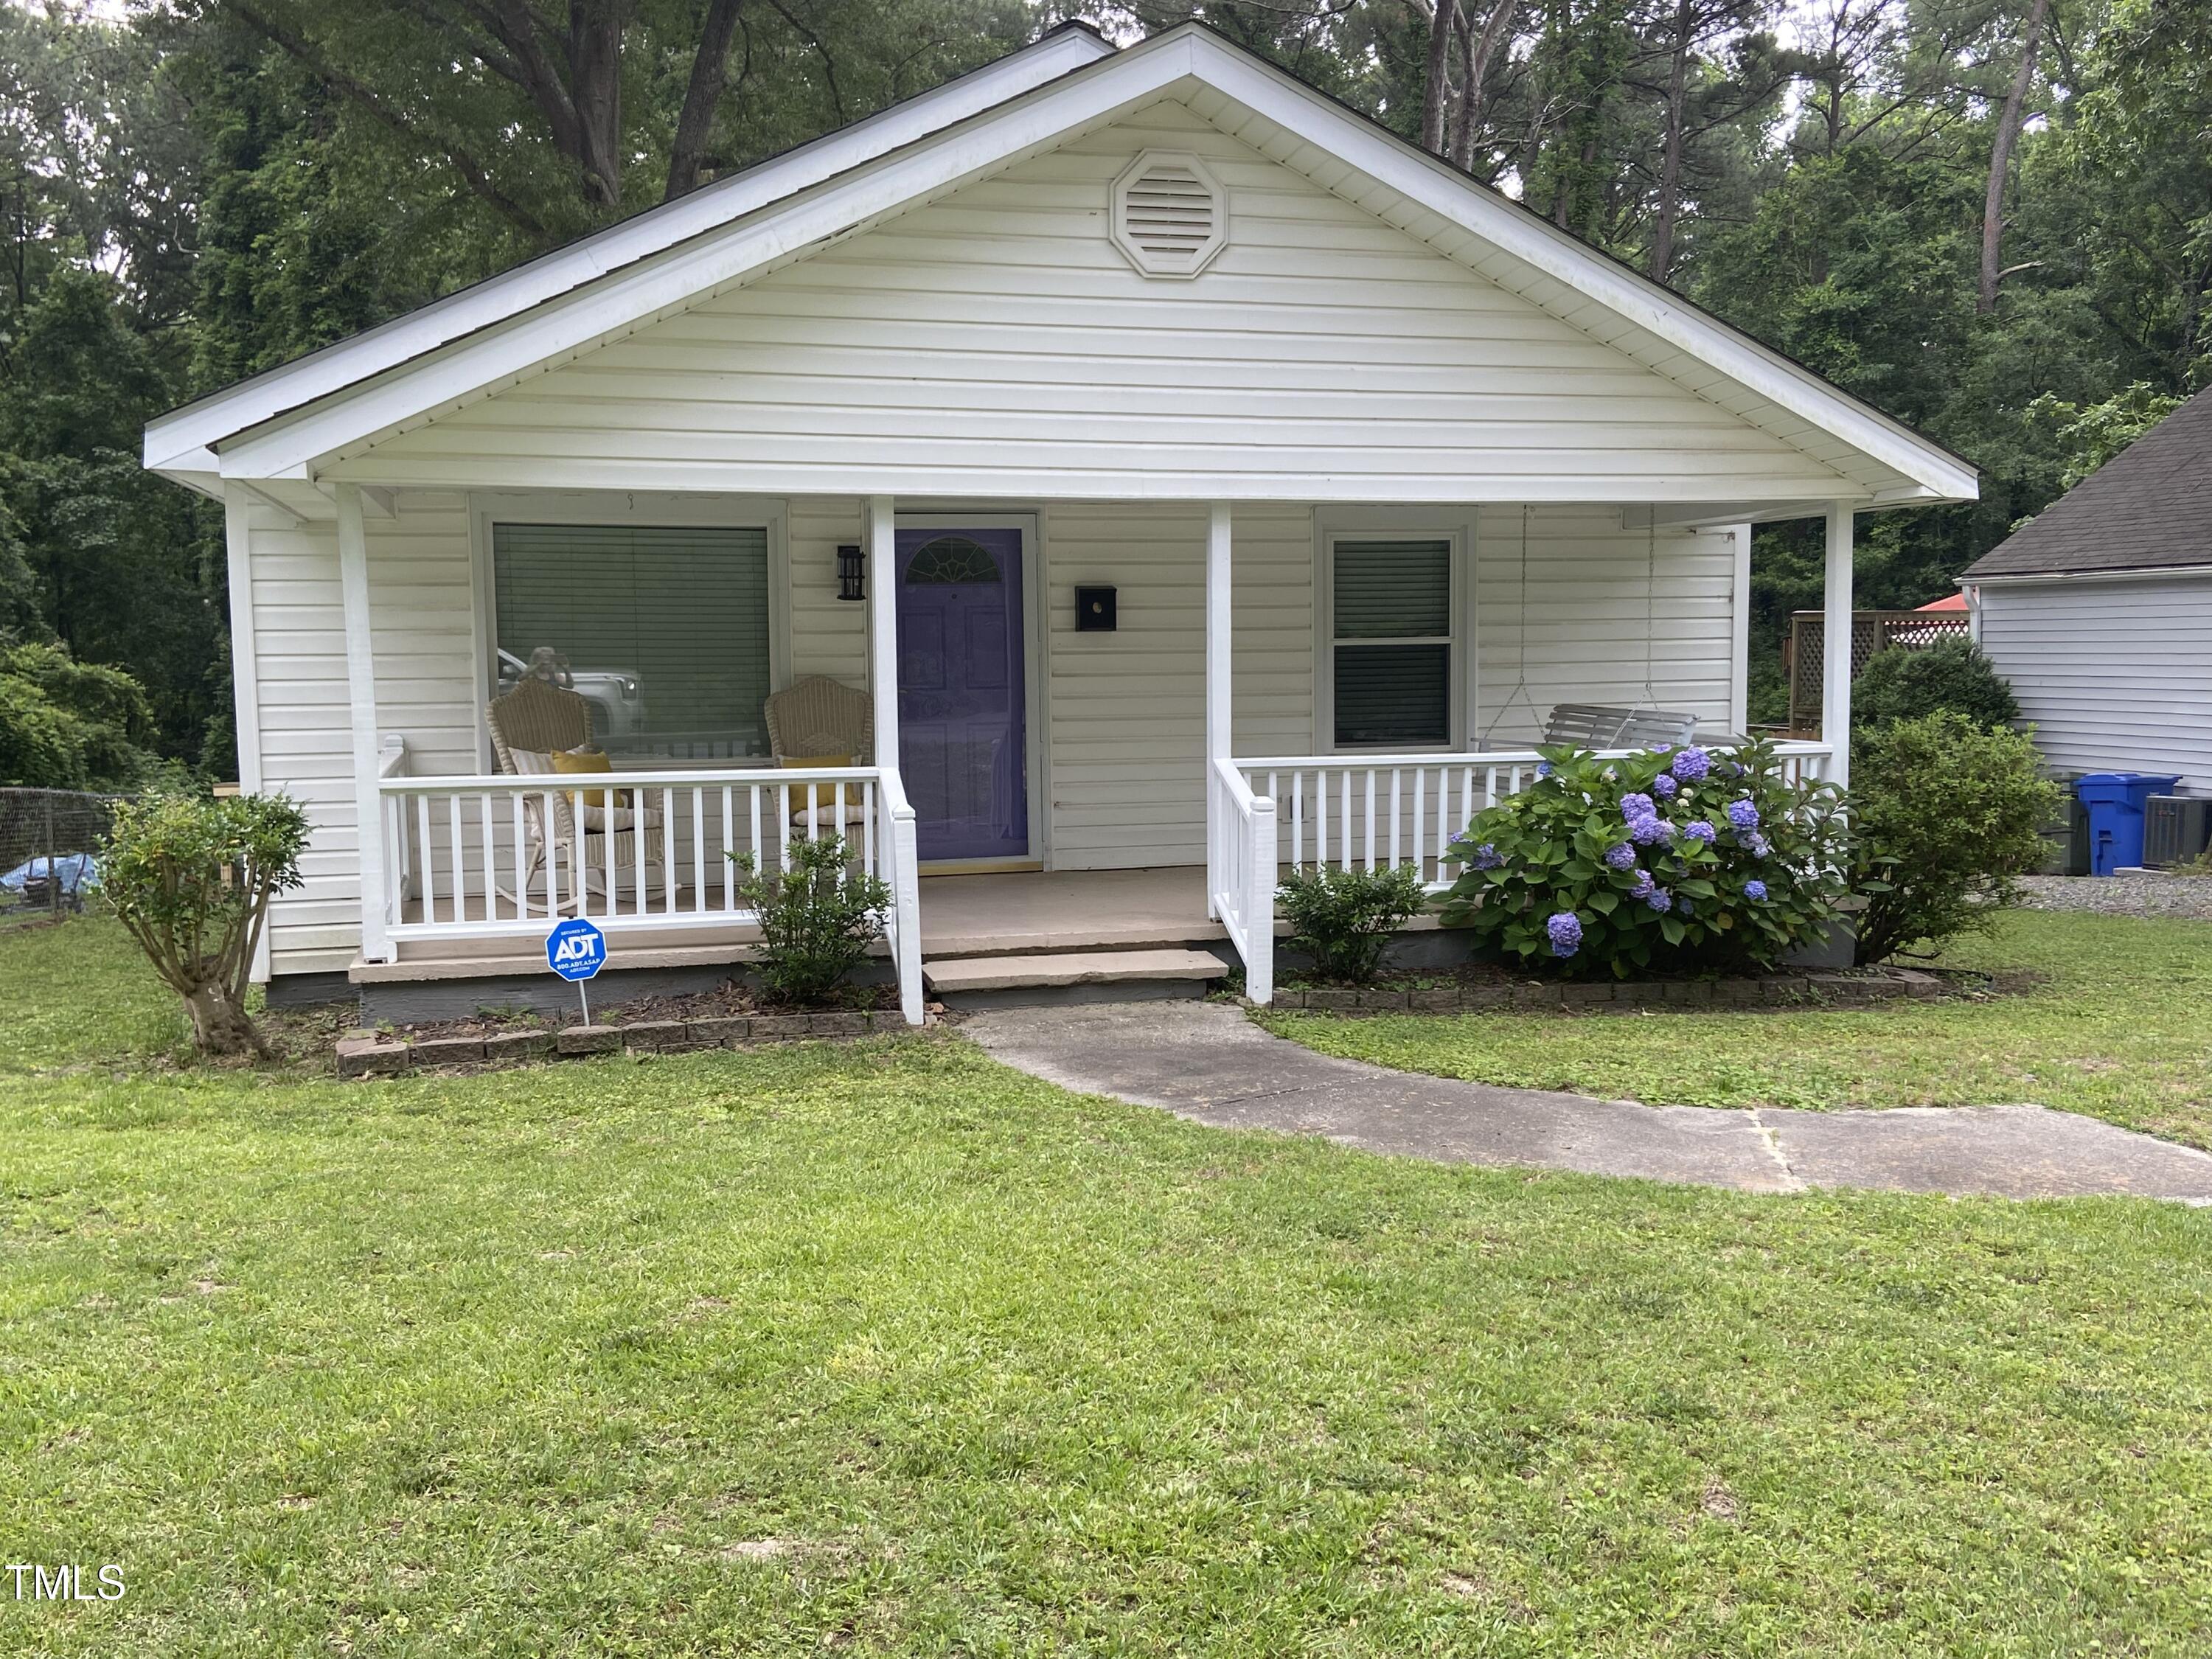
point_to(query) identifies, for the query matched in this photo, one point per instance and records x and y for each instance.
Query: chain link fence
(51, 842)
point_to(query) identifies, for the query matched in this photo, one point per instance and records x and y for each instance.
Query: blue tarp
(75, 871)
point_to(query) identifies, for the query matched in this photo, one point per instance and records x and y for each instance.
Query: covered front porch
(1130, 845)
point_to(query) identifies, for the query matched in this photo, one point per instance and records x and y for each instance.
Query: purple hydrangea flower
(1698, 830)
(1633, 807)
(1754, 890)
(1742, 815)
(1660, 899)
(1543, 769)
(1662, 786)
(1487, 857)
(1757, 845)
(1662, 749)
(1567, 931)
(1642, 885)
(1620, 855)
(1691, 764)
(1650, 829)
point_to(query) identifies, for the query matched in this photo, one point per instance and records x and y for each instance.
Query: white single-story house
(1193, 477)
(2098, 609)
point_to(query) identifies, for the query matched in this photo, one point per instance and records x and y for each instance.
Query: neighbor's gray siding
(2115, 675)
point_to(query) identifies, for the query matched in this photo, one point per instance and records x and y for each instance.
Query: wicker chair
(536, 720)
(822, 716)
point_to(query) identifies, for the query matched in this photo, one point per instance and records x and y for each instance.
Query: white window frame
(1378, 525)
(602, 507)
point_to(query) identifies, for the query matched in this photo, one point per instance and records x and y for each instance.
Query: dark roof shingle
(2150, 506)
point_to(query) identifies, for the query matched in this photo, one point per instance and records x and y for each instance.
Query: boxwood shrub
(1678, 859)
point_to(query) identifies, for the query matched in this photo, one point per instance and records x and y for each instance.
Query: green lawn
(2107, 1015)
(888, 1349)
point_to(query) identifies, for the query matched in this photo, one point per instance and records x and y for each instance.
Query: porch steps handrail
(1240, 874)
(903, 927)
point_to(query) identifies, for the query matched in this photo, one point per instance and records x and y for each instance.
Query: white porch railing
(501, 856)
(1372, 811)
(1240, 866)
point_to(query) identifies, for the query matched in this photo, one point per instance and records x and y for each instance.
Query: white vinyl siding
(2114, 675)
(1604, 609)
(996, 344)
(423, 620)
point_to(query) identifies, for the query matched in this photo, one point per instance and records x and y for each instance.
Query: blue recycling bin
(2115, 802)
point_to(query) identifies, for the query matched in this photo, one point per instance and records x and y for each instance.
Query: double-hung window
(663, 629)
(1392, 635)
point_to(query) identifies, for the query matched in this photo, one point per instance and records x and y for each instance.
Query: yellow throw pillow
(790, 761)
(571, 761)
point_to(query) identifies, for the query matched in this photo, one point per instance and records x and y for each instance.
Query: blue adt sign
(576, 949)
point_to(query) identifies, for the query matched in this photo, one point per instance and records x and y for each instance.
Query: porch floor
(1004, 913)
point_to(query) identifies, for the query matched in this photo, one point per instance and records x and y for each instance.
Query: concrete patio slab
(1206, 1061)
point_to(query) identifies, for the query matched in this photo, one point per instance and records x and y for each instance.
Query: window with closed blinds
(1392, 603)
(663, 628)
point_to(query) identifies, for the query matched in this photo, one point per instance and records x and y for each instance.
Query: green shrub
(1685, 859)
(1953, 676)
(67, 724)
(190, 879)
(1344, 918)
(1945, 815)
(816, 919)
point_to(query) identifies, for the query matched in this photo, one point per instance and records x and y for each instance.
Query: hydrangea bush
(1678, 858)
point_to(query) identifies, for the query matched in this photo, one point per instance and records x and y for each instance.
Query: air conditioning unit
(2176, 828)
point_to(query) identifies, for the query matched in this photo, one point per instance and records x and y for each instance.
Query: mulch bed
(729, 1018)
(1480, 986)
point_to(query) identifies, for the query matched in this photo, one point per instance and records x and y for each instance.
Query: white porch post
(1836, 646)
(883, 624)
(1217, 703)
(360, 687)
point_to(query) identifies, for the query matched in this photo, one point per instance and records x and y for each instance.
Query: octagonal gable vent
(1170, 216)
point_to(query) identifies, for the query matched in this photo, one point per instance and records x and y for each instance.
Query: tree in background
(67, 724)
(1980, 215)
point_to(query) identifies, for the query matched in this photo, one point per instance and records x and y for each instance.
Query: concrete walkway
(1207, 1062)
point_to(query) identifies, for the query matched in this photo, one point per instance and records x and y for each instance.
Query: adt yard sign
(576, 949)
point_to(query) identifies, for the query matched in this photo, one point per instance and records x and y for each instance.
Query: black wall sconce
(851, 574)
(1094, 611)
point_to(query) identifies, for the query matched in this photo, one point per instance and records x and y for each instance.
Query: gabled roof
(290, 421)
(2147, 509)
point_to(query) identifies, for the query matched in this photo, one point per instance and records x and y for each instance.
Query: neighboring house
(2098, 609)
(1375, 466)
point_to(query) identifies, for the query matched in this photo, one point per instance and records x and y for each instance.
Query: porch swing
(1591, 725)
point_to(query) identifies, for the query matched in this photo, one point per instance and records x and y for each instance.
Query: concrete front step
(1005, 979)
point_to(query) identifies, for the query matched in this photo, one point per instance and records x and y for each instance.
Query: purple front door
(960, 662)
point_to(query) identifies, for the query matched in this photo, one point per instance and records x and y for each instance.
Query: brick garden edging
(377, 1054)
(1771, 990)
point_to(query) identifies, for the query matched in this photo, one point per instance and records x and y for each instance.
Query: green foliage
(1946, 814)
(67, 724)
(1344, 918)
(1569, 846)
(2090, 436)
(189, 879)
(816, 919)
(1953, 675)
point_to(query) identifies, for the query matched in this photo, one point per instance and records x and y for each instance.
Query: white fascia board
(181, 443)
(2149, 573)
(1545, 248)
(567, 325)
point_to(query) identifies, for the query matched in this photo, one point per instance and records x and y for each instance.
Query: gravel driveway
(2123, 895)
